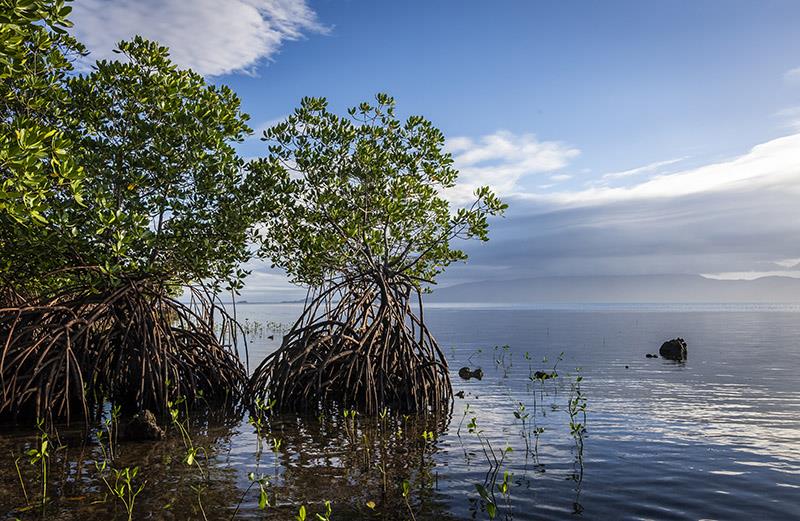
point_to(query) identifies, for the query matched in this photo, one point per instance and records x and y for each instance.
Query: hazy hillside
(652, 289)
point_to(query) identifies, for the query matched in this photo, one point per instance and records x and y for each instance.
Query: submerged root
(358, 346)
(133, 344)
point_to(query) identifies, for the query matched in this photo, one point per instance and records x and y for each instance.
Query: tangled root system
(132, 344)
(358, 345)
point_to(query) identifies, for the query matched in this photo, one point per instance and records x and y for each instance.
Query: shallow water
(716, 437)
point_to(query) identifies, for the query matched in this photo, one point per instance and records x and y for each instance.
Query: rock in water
(674, 349)
(143, 426)
(466, 373)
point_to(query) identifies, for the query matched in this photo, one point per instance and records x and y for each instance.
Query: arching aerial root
(361, 346)
(133, 345)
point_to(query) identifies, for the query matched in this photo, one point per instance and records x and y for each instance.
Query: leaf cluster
(129, 169)
(348, 196)
(165, 192)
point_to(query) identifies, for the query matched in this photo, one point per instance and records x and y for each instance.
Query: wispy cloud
(774, 163)
(791, 117)
(751, 275)
(652, 167)
(258, 130)
(793, 76)
(789, 263)
(213, 37)
(502, 159)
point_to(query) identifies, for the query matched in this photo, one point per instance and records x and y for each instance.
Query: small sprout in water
(406, 487)
(520, 413)
(262, 481)
(328, 512)
(371, 505)
(505, 487)
(491, 508)
(42, 456)
(191, 456)
(123, 488)
(301, 514)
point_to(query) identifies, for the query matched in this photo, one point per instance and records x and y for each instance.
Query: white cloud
(774, 163)
(258, 130)
(751, 275)
(793, 75)
(502, 159)
(560, 177)
(266, 284)
(642, 169)
(791, 117)
(212, 37)
(788, 263)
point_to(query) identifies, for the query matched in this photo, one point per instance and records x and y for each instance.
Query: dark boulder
(143, 426)
(674, 349)
(466, 373)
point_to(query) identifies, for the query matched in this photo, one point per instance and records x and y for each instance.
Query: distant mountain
(623, 289)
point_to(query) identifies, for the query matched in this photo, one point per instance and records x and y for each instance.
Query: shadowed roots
(133, 344)
(361, 346)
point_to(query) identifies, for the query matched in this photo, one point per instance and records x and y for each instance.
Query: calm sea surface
(716, 437)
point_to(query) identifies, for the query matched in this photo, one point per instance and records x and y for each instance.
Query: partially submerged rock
(143, 427)
(648, 355)
(466, 373)
(674, 349)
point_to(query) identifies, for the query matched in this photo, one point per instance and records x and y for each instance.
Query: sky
(628, 137)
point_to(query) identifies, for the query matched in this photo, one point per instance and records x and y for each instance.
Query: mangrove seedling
(41, 455)
(488, 499)
(123, 488)
(577, 415)
(522, 416)
(328, 511)
(263, 499)
(466, 412)
(406, 491)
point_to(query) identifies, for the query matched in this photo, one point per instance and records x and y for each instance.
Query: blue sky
(629, 136)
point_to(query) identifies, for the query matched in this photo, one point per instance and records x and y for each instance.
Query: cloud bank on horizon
(213, 37)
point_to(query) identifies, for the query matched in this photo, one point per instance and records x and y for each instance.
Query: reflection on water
(715, 437)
